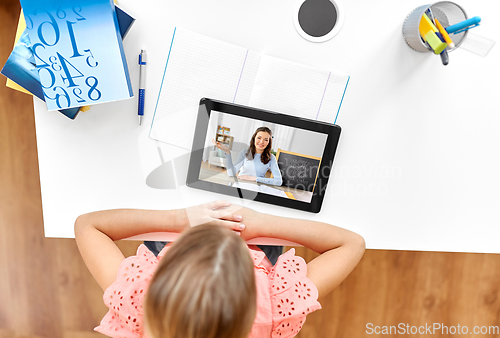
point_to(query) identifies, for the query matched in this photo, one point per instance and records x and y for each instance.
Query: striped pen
(142, 84)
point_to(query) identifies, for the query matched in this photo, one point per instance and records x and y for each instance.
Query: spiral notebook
(198, 66)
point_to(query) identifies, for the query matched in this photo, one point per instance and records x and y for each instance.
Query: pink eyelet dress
(284, 295)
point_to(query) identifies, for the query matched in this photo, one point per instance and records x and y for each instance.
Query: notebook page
(333, 97)
(297, 89)
(197, 67)
(247, 78)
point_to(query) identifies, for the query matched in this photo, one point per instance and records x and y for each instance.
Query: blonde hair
(204, 286)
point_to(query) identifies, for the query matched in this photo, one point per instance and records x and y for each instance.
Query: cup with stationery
(439, 28)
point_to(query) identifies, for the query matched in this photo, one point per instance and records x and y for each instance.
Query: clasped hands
(222, 213)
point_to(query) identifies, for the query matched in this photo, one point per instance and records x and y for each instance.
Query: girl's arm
(96, 232)
(232, 170)
(340, 249)
(276, 180)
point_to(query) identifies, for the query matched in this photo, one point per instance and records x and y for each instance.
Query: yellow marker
(445, 35)
(428, 33)
(426, 25)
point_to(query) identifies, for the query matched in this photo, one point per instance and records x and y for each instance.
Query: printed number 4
(69, 77)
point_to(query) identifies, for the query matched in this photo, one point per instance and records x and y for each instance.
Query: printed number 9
(93, 88)
(55, 27)
(61, 14)
(58, 97)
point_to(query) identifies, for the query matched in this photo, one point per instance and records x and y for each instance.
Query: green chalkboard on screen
(297, 170)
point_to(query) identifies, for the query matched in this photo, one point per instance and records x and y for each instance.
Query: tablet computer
(262, 155)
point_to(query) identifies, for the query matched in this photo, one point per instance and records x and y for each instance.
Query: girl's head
(203, 287)
(261, 143)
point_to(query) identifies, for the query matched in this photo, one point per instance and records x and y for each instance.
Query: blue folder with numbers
(20, 67)
(78, 51)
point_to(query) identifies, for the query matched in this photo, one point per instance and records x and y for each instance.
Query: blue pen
(445, 59)
(142, 83)
(464, 25)
(430, 15)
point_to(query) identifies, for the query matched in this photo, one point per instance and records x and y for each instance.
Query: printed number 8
(93, 88)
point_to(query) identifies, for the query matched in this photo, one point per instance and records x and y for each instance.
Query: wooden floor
(46, 291)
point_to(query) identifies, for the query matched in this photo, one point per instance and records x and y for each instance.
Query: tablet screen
(260, 156)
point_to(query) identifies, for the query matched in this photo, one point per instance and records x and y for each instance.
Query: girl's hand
(248, 178)
(214, 213)
(255, 222)
(221, 146)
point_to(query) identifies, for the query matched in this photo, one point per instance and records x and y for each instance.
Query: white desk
(418, 164)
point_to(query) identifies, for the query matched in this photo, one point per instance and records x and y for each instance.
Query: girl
(209, 283)
(256, 160)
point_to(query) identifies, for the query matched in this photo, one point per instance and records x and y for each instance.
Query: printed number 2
(77, 10)
(45, 66)
(81, 100)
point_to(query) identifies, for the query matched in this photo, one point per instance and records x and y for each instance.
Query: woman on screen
(253, 164)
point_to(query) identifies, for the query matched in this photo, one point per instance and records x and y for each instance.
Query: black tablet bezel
(205, 108)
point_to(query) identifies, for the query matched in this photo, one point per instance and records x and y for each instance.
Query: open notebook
(199, 66)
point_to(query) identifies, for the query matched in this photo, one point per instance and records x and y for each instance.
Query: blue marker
(445, 58)
(464, 25)
(142, 83)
